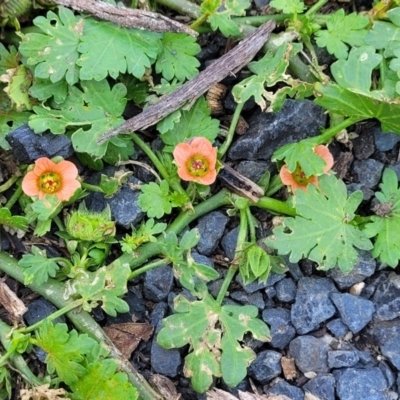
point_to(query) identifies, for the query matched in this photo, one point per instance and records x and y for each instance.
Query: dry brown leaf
(9, 300)
(43, 393)
(126, 337)
(288, 368)
(218, 394)
(164, 386)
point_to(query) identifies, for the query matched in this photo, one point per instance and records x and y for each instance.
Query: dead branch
(127, 17)
(229, 63)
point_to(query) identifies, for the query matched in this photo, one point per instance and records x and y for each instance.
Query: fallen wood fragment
(127, 17)
(229, 63)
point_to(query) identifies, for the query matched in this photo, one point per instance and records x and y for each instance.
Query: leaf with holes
(212, 330)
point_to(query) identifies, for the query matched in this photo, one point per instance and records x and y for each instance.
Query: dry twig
(229, 63)
(127, 17)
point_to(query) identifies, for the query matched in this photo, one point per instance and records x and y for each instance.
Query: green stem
(92, 188)
(258, 20)
(151, 249)
(331, 132)
(53, 291)
(242, 234)
(228, 140)
(149, 153)
(184, 7)
(276, 206)
(199, 21)
(14, 197)
(250, 223)
(147, 267)
(317, 6)
(16, 359)
(5, 186)
(64, 310)
(59, 223)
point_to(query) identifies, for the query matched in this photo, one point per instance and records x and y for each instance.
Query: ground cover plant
(65, 72)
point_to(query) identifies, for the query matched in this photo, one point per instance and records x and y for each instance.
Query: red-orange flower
(196, 160)
(50, 178)
(297, 178)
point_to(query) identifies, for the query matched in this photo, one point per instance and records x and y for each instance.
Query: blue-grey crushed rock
(368, 172)
(361, 384)
(355, 312)
(364, 268)
(269, 131)
(342, 358)
(286, 290)
(285, 389)
(158, 283)
(310, 353)
(313, 304)
(27, 146)
(337, 328)
(211, 228)
(281, 329)
(322, 386)
(266, 366)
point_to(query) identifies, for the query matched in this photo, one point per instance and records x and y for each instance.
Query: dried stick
(127, 17)
(229, 63)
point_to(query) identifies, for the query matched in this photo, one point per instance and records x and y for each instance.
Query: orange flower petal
(42, 165)
(286, 176)
(30, 184)
(67, 191)
(66, 169)
(323, 152)
(197, 147)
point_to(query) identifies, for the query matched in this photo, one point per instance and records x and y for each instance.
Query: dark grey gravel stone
(361, 384)
(254, 299)
(385, 141)
(270, 292)
(386, 334)
(310, 353)
(281, 329)
(261, 3)
(40, 309)
(286, 290)
(368, 172)
(269, 131)
(364, 268)
(355, 312)
(253, 170)
(200, 259)
(366, 358)
(158, 313)
(285, 389)
(266, 366)
(165, 361)
(368, 193)
(363, 145)
(158, 283)
(313, 304)
(337, 327)
(387, 298)
(123, 204)
(322, 386)
(229, 241)
(251, 287)
(387, 373)
(27, 146)
(342, 358)
(211, 228)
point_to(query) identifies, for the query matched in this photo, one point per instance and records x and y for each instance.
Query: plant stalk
(53, 291)
(16, 359)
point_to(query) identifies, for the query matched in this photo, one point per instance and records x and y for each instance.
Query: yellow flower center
(299, 176)
(197, 166)
(50, 182)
